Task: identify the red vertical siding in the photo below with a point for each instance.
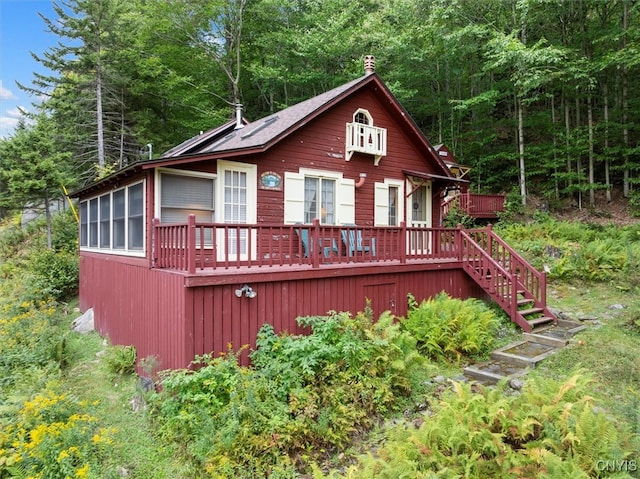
(134, 305)
(237, 320)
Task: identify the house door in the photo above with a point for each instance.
(420, 208)
(238, 200)
(382, 297)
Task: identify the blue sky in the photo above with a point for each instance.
(21, 31)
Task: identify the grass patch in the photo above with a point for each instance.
(136, 451)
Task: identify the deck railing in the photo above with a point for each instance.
(525, 276)
(194, 246)
(476, 205)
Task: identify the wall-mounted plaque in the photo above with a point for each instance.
(270, 180)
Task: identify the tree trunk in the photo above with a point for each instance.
(47, 215)
(578, 158)
(607, 178)
(625, 102)
(99, 118)
(555, 148)
(567, 133)
(592, 192)
(523, 184)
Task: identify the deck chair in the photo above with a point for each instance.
(307, 246)
(354, 243)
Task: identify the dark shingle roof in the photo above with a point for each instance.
(261, 133)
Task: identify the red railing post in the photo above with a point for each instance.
(155, 242)
(403, 242)
(315, 250)
(191, 244)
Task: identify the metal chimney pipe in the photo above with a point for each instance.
(239, 123)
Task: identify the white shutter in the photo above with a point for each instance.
(346, 201)
(381, 204)
(293, 197)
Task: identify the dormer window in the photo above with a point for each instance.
(363, 137)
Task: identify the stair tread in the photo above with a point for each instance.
(542, 320)
(524, 312)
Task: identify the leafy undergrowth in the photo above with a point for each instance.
(551, 429)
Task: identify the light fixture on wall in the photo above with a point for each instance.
(247, 291)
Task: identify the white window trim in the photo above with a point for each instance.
(365, 113)
(170, 171)
(138, 253)
(252, 189)
(381, 201)
(345, 196)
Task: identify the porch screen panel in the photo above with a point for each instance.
(118, 219)
(93, 223)
(84, 223)
(105, 221)
(235, 209)
(136, 217)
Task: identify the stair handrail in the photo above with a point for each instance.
(512, 301)
(539, 293)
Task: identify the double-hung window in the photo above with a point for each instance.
(320, 200)
(114, 221)
(313, 194)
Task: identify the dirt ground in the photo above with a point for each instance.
(616, 211)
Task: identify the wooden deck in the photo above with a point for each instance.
(475, 205)
(215, 247)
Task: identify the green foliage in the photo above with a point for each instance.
(448, 328)
(53, 436)
(305, 395)
(55, 274)
(120, 359)
(573, 250)
(30, 337)
(552, 429)
(456, 216)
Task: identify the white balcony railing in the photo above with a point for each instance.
(366, 139)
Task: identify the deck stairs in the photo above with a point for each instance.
(516, 286)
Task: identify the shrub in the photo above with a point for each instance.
(305, 395)
(52, 436)
(552, 429)
(120, 359)
(55, 274)
(448, 328)
(30, 337)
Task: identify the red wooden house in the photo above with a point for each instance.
(318, 207)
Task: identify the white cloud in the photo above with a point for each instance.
(6, 94)
(9, 120)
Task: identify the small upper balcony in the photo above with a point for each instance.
(367, 139)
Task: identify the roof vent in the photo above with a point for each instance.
(369, 64)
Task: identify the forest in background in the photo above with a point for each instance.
(539, 97)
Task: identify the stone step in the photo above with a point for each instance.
(493, 371)
(523, 353)
(557, 335)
